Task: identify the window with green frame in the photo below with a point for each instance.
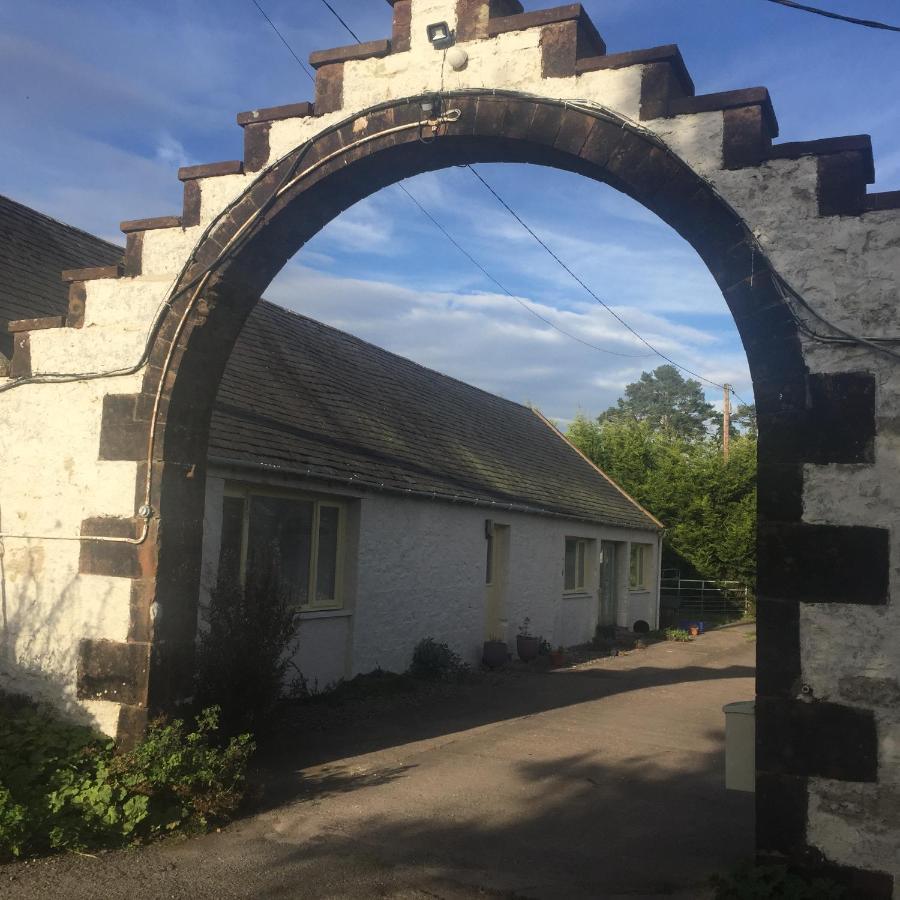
(576, 564)
(640, 561)
(297, 539)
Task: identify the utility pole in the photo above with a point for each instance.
(726, 424)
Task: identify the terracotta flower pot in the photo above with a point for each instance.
(527, 647)
(495, 654)
(557, 658)
(694, 630)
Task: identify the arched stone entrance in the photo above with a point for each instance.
(788, 231)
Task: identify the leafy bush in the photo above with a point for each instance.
(432, 661)
(751, 882)
(678, 634)
(62, 786)
(244, 653)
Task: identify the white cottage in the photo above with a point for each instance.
(399, 503)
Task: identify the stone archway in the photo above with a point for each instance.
(788, 232)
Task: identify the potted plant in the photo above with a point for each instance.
(495, 654)
(528, 645)
(557, 657)
(694, 629)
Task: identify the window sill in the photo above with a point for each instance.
(639, 590)
(577, 595)
(336, 613)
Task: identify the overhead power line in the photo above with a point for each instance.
(300, 62)
(349, 30)
(584, 285)
(867, 23)
(512, 212)
(506, 290)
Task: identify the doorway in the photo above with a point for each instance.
(609, 604)
(496, 580)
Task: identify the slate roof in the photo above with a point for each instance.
(34, 250)
(305, 398)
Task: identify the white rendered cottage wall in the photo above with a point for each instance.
(416, 569)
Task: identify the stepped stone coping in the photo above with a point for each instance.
(150, 224)
(368, 50)
(92, 274)
(666, 53)
(276, 113)
(210, 170)
(18, 326)
(542, 17)
(756, 96)
(859, 143)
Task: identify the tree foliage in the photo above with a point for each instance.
(678, 473)
(666, 401)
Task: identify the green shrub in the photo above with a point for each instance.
(62, 786)
(678, 634)
(751, 882)
(244, 653)
(432, 661)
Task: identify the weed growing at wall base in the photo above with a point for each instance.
(64, 787)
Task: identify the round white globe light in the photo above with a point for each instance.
(457, 57)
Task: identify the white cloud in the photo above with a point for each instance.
(488, 340)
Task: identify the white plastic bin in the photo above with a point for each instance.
(740, 745)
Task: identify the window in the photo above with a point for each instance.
(640, 558)
(296, 539)
(576, 564)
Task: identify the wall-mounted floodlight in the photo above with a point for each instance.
(440, 35)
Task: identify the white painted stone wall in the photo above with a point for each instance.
(419, 571)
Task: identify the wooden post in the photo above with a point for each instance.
(726, 424)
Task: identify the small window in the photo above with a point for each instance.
(640, 558)
(297, 540)
(576, 564)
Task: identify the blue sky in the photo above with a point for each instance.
(102, 101)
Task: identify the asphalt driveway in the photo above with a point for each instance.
(602, 781)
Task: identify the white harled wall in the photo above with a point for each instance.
(419, 571)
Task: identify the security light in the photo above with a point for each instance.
(440, 35)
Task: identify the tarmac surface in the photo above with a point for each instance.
(601, 781)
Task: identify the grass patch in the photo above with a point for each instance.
(678, 634)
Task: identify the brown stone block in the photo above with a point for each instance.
(256, 146)
(20, 364)
(746, 139)
(401, 34)
(781, 812)
(190, 213)
(777, 647)
(77, 304)
(117, 560)
(329, 88)
(816, 739)
(134, 251)
(132, 727)
(558, 49)
(842, 184)
(109, 670)
(824, 563)
(121, 436)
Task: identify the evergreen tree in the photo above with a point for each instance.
(667, 401)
